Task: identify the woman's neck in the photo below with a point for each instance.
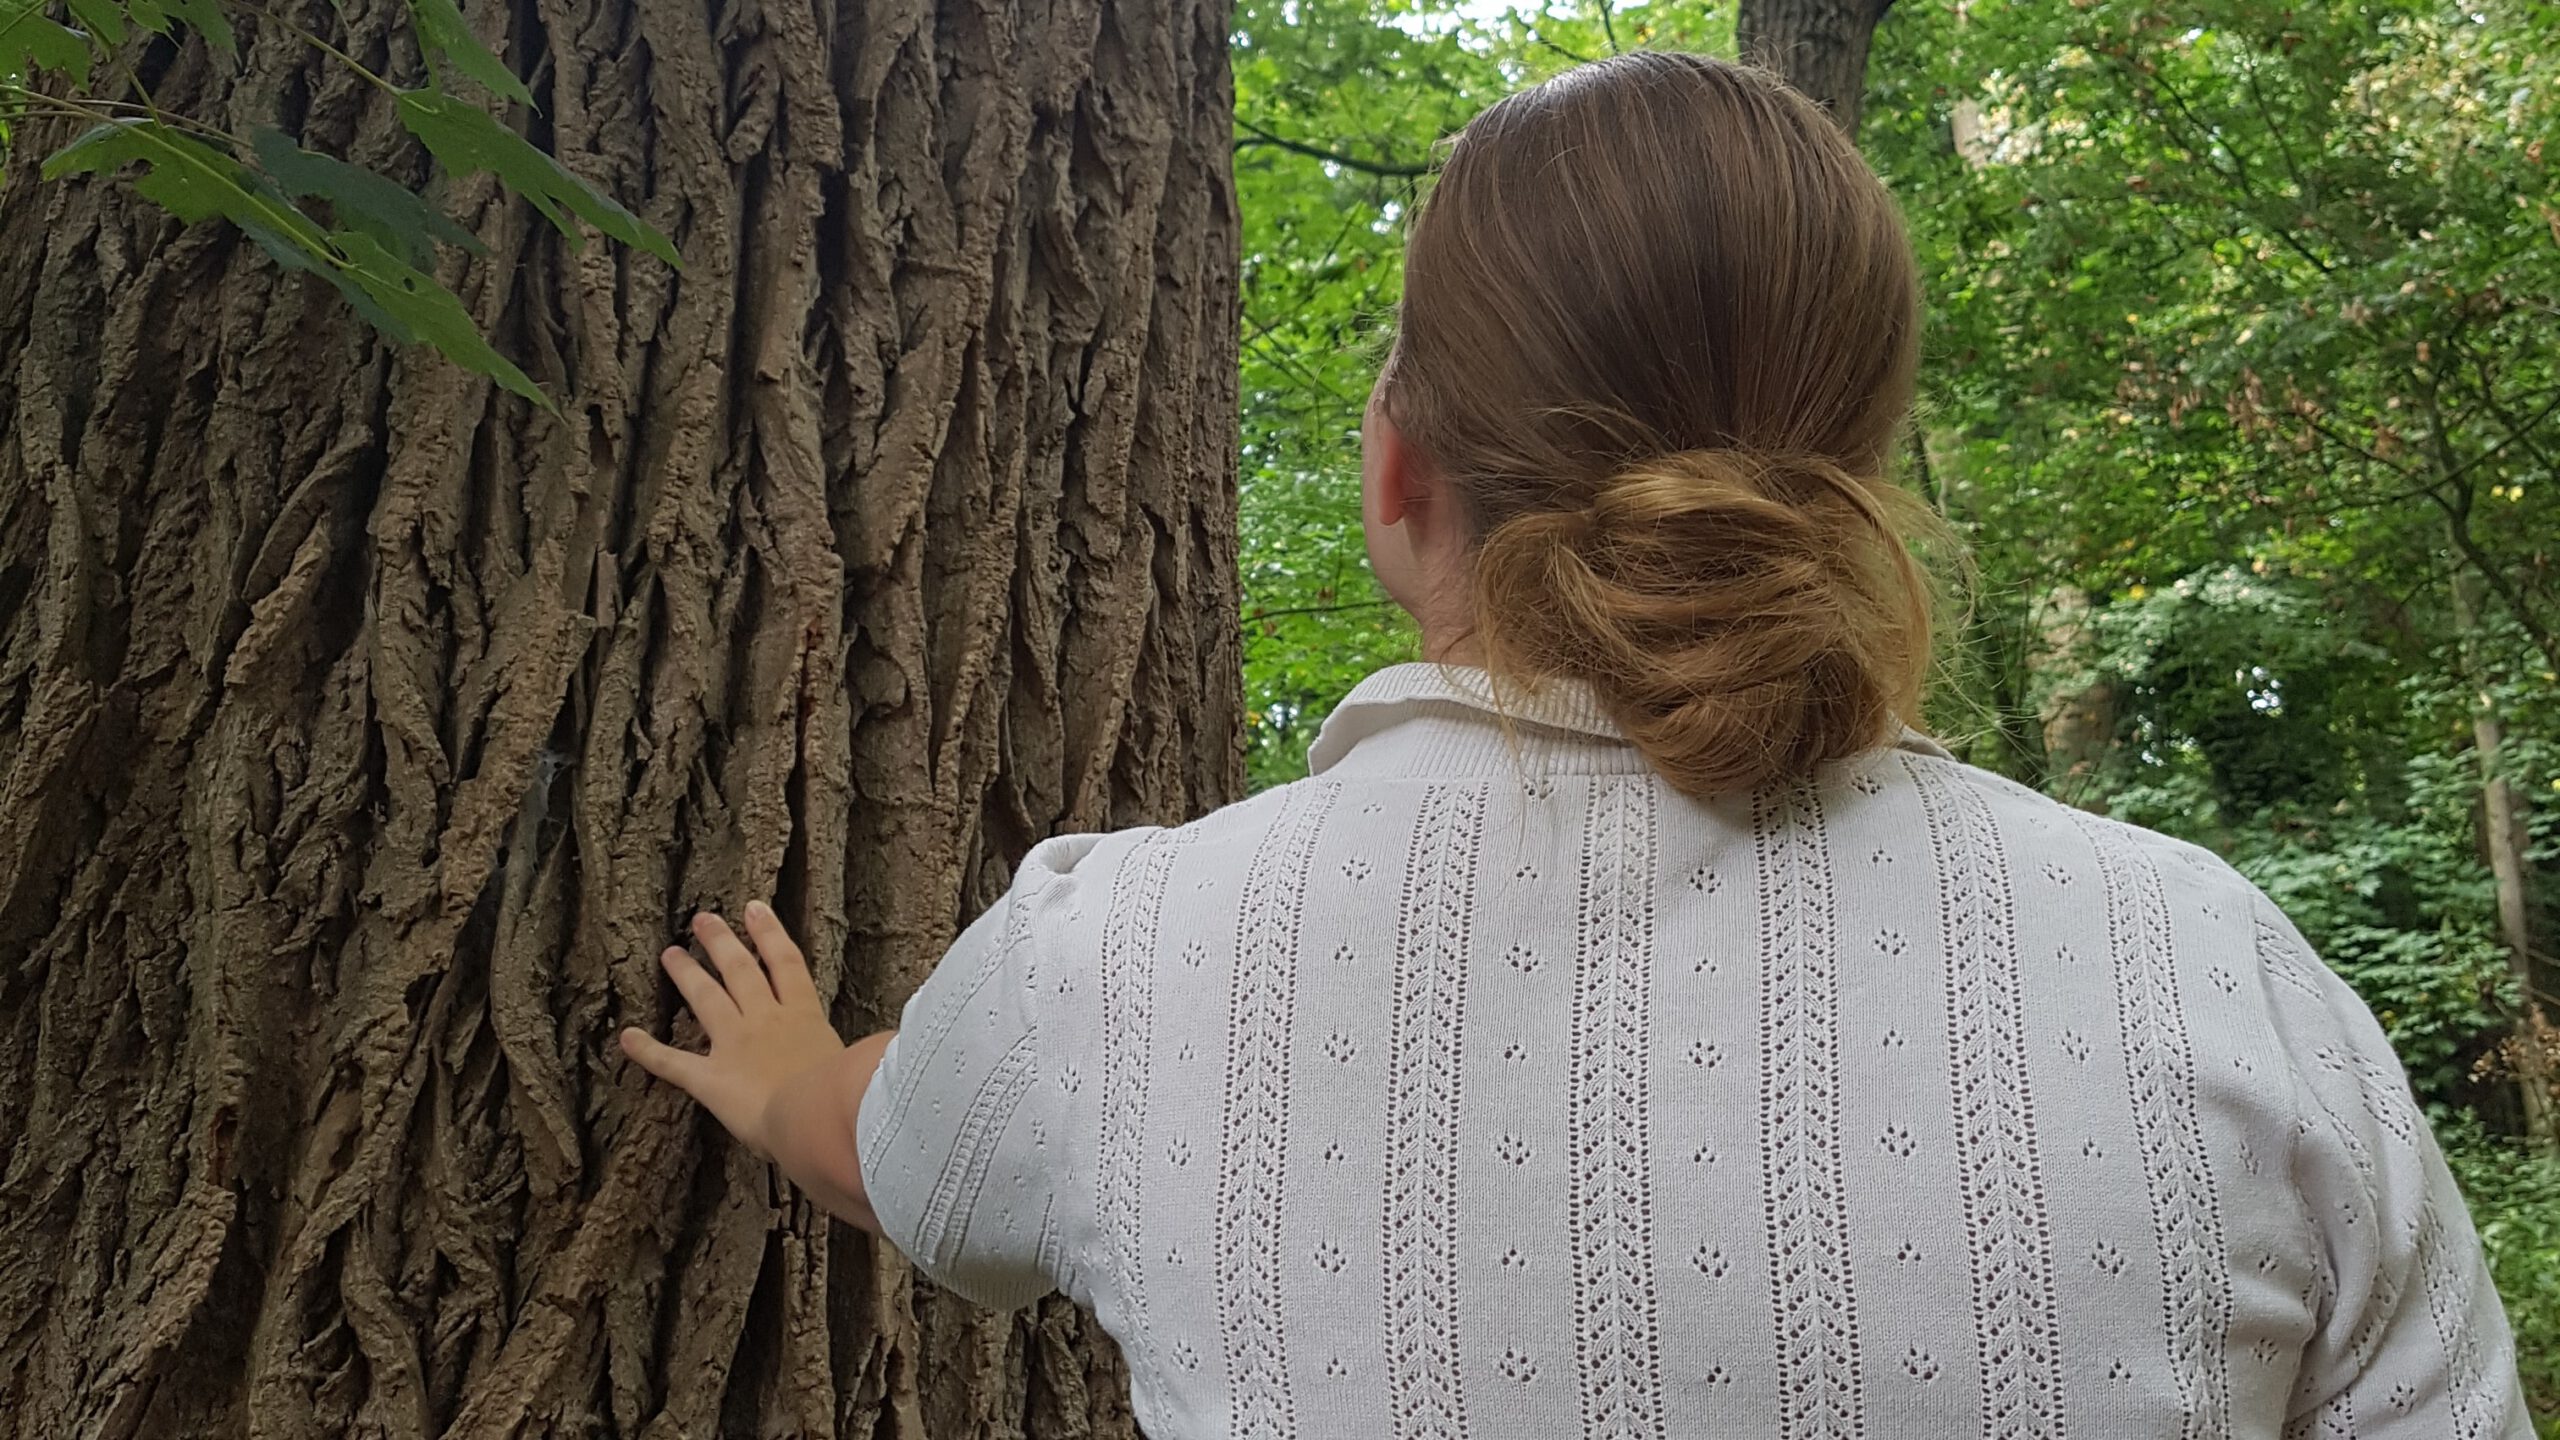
(1445, 648)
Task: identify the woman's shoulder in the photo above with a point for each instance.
(2017, 808)
(1087, 858)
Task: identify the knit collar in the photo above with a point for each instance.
(1561, 708)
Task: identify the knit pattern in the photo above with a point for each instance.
(1617, 1318)
(2195, 1266)
(1812, 1290)
(2009, 1246)
(1128, 964)
(1253, 1141)
(1433, 934)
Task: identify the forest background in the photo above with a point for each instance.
(2241, 387)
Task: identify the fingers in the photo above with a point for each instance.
(711, 1003)
(739, 971)
(782, 957)
(680, 1068)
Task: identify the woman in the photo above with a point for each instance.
(1632, 1028)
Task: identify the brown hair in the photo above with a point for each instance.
(1659, 331)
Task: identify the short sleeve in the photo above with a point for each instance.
(959, 1129)
(2412, 1341)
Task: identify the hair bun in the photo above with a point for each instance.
(1743, 615)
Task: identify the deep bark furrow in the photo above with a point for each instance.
(364, 733)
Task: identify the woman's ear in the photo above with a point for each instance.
(1386, 468)
(1416, 541)
(1397, 481)
(1387, 474)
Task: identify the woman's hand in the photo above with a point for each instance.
(765, 1021)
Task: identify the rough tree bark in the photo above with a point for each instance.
(1820, 46)
(364, 734)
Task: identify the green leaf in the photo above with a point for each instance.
(105, 19)
(29, 42)
(403, 222)
(195, 182)
(186, 176)
(206, 16)
(374, 315)
(469, 140)
(427, 312)
(442, 28)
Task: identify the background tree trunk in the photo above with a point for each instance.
(2076, 710)
(1820, 46)
(2502, 841)
(364, 734)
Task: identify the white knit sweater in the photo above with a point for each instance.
(1483, 1086)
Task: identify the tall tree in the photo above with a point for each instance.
(365, 731)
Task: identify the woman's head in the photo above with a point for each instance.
(1659, 330)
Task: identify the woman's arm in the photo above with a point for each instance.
(809, 1123)
(777, 1075)
(2410, 1340)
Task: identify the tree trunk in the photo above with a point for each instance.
(1820, 46)
(364, 734)
(2502, 840)
(2078, 714)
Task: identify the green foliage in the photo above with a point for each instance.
(195, 182)
(2270, 286)
(469, 140)
(442, 31)
(2247, 673)
(31, 42)
(182, 177)
(370, 237)
(396, 218)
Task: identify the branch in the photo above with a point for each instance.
(328, 49)
(1391, 169)
(1609, 28)
(2343, 443)
(33, 102)
(2518, 432)
(2457, 515)
(1249, 621)
(2266, 112)
(1930, 479)
(2458, 525)
(2239, 172)
(1352, 216)
(1280, 360)
(1550, 44)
